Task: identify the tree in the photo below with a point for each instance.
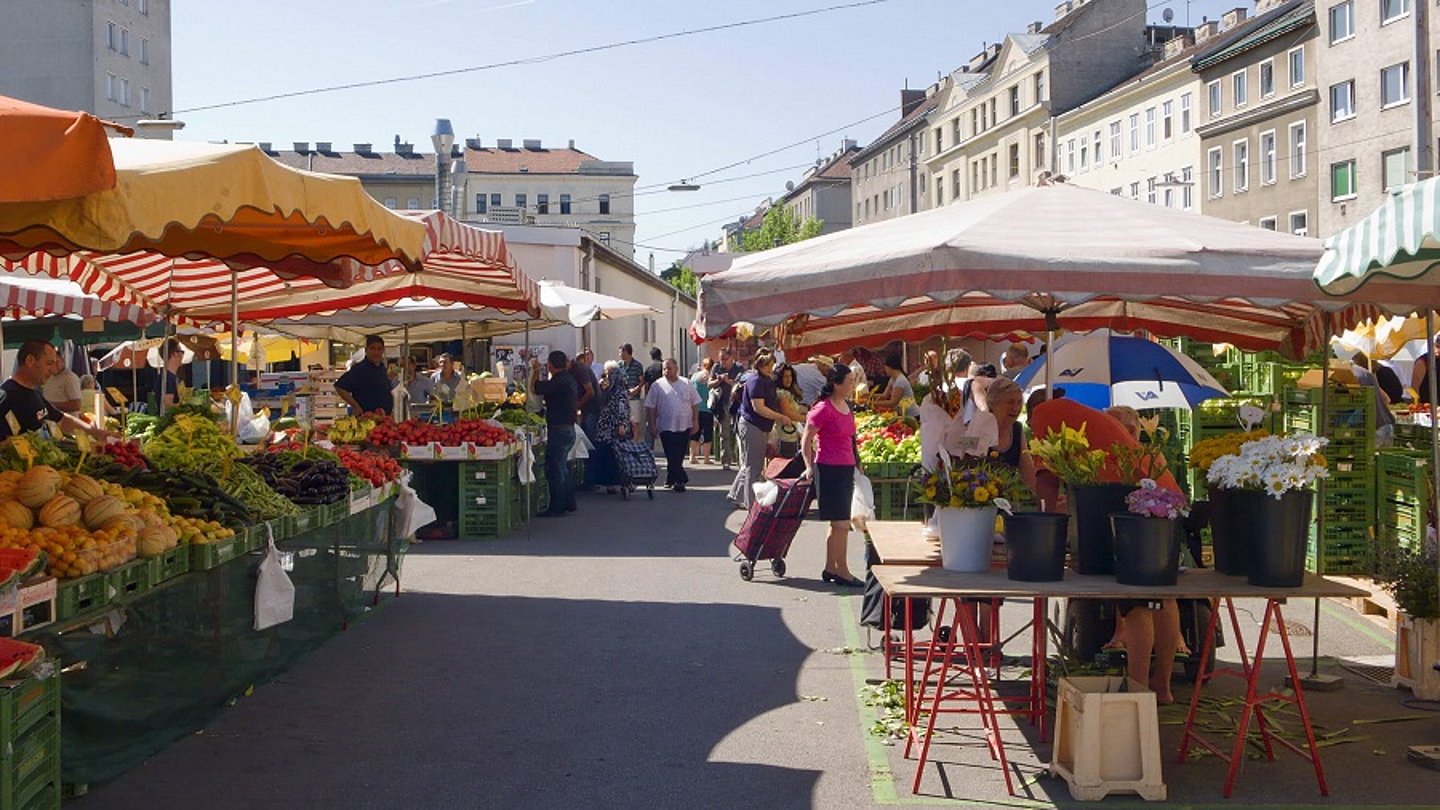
(781, 227)
(682, 278)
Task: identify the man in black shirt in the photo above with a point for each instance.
(589, 406)
(366, 386)
(561, 393)
(653, 372)
(23, 409)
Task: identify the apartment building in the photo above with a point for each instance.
(994, 133)
(824, 192)
(1364, 144)
(1258, 118)
(107, 57)
(1139, 139)
(888, 178)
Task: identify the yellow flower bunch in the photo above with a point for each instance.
(1067, 453)
(1204, 453)
(970, 486)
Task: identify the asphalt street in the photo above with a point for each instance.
(614, 658)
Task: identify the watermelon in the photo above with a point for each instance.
(17, 655)
(27, 561)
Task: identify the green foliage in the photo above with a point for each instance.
(781, 227)
(1412, 578)
(683, 279)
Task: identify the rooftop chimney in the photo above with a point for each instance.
(1062, 9)
(473, 143)
(1206, 30)
(364, 149)
(532, 143)
(572, 143)
(1232, 18)
(302, 146)
(1176, 45)
(457, 150)
(978, 59)
(265, 147)
(504, 143)
(1262, 6)
(1034, 27)
(323, 147)
(909, 100)
(405, 149)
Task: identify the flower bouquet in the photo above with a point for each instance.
(1264, 500)
(1067, 453)
(966, 498)
(1272, 465)
(1148, 535)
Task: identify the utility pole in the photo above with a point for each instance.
(1424, 101)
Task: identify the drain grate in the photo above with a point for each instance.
(1292, 629)
(1374, 673)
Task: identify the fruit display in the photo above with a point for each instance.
(45, 451)
(140, 426)
(301, 480)
(194, 495)
(353, 430)
(887, 440)
(73, 542)
(17, 656)
(126, 454)
(518, 417)
(188, 442)
(374, 468)
(478, 431)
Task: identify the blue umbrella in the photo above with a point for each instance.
(1103, 369)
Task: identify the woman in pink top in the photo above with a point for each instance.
(828, 446)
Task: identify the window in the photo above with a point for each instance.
(542, 203)
(955, 190)
(521, 201)
(1342, 180)
(1015, 100)
(1134, 191)
(144, 51)
(1297, 149)
(1217, 172)
(413, 204)
(1269, 223)
(857, 212)
(1213, 90)
(939, 139)
(956, 135)
(1167, 120)
(1240, 89)
(143, 6)
(145, 99)
(1187, 189)
(1186, 101)
(480, 204)
(1114, 140)
(1342, 21)
(1150, 191)
(939, 192)
(1267, 78)
(1342, 101)
(1095, 145)
(1149, 127)
(1070, 156)
(1300, 223)
(1014, 160)
(495, 201)
(1040, 87)
(1297, 67)
(1040, 149)
(1242, 164)
(1268, 157)
(1134, 133)
(994, 169)
(390, 202)
(112, 36)
(604, 203)
(1391, 10)
(125, 41)
(1169, 196)
(1395, 85)
(605, 239)
(1117, 191)
(1084, 154)
(109, 86)
(1396, 168)
(124, 92)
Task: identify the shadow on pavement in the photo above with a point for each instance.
(479, 701)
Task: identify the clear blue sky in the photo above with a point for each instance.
(674, 108)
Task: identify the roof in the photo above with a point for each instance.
(899, 127)
(492, 160)
(1257, 31)
(836, 168)
(1160, 66)
(489, 160)
(1030, 43)
(613, 258)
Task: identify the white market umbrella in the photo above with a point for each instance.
(1104, 369)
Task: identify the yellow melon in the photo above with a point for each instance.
(37, 486)
(102, 510)
(83, 489)
(16, 515)
(60, 511)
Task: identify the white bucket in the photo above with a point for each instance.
(966, 537)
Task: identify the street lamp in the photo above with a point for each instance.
(443, 138)
(458, 170)
(684, 185)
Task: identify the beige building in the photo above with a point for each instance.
(824, 192)
(1258, 124)
(993, 134)
(107, 57)
(1366, 115)
(1138, 139)
(888, 178)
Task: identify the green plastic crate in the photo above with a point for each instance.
(30, 766)
(129, 580)
(169, 565)
(1351, 397)
(26, 703)
(75, 597)
(205, 556)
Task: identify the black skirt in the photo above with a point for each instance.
(835, 487)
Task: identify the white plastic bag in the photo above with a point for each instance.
(274, 592)
(582, 446)
(255, 430)
(412, 513)
(862, 502)
(766, 493)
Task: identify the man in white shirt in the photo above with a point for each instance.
(811, 377)
(672, 411)
(63, 388)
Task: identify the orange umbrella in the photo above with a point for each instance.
(52, 154)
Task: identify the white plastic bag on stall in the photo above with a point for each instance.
(862, 502)
(411, 513)
(274, 592)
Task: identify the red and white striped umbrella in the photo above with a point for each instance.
(22, 295)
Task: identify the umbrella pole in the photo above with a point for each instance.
(1312, 680)
(1434, 437)
(234, 394)
(405, 363)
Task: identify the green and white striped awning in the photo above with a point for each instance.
(1399, 240)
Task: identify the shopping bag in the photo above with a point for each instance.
(274, 592)
(862, 502)
(582, 446)
(526, 470)
(766, 492)
(411, 513)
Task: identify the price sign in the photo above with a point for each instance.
(82, 441)
(23, 449)
(116, 395)
(233, 394)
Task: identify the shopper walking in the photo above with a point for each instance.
(589, 407)
(634, 383)
(672, 410)
(560, 393)
(724, 379)
(759, 412)
(700, 443)
(612, 426)
(828, 447)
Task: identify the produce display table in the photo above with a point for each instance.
(955, 588)
(146, 672)
(483, 499)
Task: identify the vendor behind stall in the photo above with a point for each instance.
(63, 388)
(366, 386)
(22, 408)
(169, 374)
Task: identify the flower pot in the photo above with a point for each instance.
(1147, 549)
(966, 537)
(1035, 546)
(1274, 532)
(1226, 534)
(1091, 505)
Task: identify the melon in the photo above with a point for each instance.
(18, 655)
(60, 511)
(28, 561)
(37, 486)
(102, 510)
(16, 515)
(156, 541)
(83, 489)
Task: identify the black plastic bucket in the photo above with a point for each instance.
(1035, 546)
(1276, 532)
(1147, 549)
(1090, 508)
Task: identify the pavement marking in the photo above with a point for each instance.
(1349, 617)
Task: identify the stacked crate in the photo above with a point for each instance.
(1348, 508)
(488, 508)
(1402, 497)
(30, 742)
(1212, 419)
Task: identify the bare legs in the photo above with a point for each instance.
(1153, 632)
(835, 548)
